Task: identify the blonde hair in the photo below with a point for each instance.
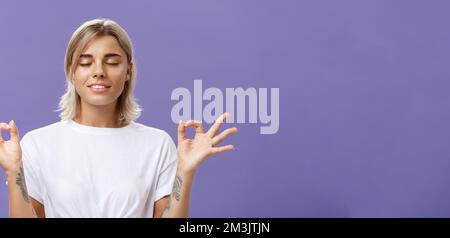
(69, 104)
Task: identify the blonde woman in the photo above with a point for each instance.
(97, 161)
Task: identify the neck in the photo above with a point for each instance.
(99, 116)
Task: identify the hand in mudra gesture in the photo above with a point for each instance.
(10, 151)
(192, 152)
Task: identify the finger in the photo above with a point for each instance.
(221, 149)
(222, 136)
(3, 126)
(197, 124)
(14, 131)
(216, 126)
(181, 131)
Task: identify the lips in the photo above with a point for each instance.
(99, 87)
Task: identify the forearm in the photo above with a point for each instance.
(19, 201)
(178, 206)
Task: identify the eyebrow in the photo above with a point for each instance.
(109, 55)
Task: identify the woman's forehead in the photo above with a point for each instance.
(103, 45)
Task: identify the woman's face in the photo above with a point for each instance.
(101, 71)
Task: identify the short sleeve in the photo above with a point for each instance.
(31, 168)
(167, 173)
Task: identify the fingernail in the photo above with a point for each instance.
(225, 115)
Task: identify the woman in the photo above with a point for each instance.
(97, 161)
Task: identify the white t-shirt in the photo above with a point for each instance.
(81, 171)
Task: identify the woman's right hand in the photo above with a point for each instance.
(10, 151)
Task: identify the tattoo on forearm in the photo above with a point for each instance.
(167, 208)
(20, 181)
(177, 187)
(175, 192)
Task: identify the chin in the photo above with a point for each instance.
(100, 101)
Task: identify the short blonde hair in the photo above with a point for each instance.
(69, 104)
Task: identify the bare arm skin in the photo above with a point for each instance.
(191, 153)
(20, 204)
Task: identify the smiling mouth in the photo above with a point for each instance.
(99, 86)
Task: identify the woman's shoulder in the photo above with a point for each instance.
(44, 130)
(151, 131)
(41, 134)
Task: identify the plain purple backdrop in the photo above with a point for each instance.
(364, 101)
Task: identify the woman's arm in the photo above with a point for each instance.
(19, 202)
(177, 204)
(191, 153)
(11, 161)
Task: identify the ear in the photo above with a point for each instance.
(69, 69)
(129, 69)
(71, 73)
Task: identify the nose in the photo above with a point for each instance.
(98, 72)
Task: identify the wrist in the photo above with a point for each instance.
(11, 177)
(185, 172)
(11, 174)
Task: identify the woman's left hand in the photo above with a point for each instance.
(192, 152)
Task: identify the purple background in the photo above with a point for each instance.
(364, 101)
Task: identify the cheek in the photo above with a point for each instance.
(80, 76)
(118, 76)
(117, 71)
(79, 81)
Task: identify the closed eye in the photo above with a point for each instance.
(87, 64)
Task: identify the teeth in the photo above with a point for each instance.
(98, 86)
